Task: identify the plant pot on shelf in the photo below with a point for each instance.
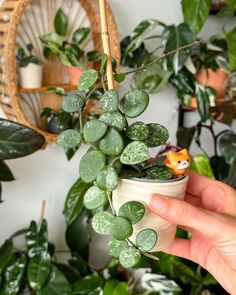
(141, 191)
(31, 76)
(74, 74)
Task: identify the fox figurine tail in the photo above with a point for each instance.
(178, 162)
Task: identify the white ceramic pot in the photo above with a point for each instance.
(141, 191)
(31, 76)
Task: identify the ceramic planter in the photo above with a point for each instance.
(141, 191)
(31, 76)
(74, 74)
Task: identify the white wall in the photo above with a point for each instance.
(47, 174)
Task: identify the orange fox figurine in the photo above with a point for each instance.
(178, 162)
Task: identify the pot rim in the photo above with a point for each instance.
(145, 180)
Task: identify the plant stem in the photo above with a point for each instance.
(114, 160)
(109, 195)
(81, 122)
(141, 251)
(154, 37)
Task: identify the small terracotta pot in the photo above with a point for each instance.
(141, 191)
(31, 76)
(74, 74)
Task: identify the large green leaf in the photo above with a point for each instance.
(114, 287)
(56, 285)
(137, 131)
(203, 102)
(53, 41)
(108, 178)
(227, 145)
(102, 222)
(94, 198)
(80, 35)
(88, 284)
(74, 200)
(5, 172)
(61, 23)
(112, 143)
(174, 37)
(133, 210)
(134, 153)
(158, 135)
(6, 255)
(17, 140)
(231, 46)
(88, 79)
(201, 165)
(195, 13)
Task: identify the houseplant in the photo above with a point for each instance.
(30, 68)
(69, 52)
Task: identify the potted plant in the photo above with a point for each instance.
(69, 52)
(30, 68)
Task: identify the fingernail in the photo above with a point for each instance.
(158, 203)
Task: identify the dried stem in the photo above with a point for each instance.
(42, 213)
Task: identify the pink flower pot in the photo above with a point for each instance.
(74, 74)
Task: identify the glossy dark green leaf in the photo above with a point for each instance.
(90, 165)
(71, 273)
(102, 222)
(61, 23)
(146, 239)
(94, 198)
(121, 228)
(203, 103)
(94, 130)
(88, 79)
(231, 46)
(134, 153)
(174, 37)
(17, 140)
(88, 284)
(13, 276)
(185, 136)
(227, 145)
(56, 285)
(80, 35)
(108, 178)
(115, 247)
(161, 172)
(70, 138)
(74, 200)
(5, 172)
(133, 210)
(114, 119)
(158, 135)
(119, 77)
(112, 143)
(137, 131)
(114, 287)
(6, 255)
(134, 103)
(110, 100)
(129, 257)
(79, 263)
(38, 272)
(196, 13)
(74, 101)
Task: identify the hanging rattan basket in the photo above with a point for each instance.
(22, 22)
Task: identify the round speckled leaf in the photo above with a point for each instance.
(133, 210)
(159, 172)
(70, 138)
(94, 130)
(135, 152)
(110, 101)
(129, 257)
(115, 119)
(137, 131)
(112, 143)
(121, 228)
(146, 239)
(108, 178)
(117, 164)
(94, 198)
(158, 135)
(74, 101)
(134, 103)
(88, 79)
(102, 222)
(90, 165)
(115, 247)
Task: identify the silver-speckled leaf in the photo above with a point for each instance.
(115, 119)
(102, 222)
(70, 138)
(129, 257)
(137, 131)
(115, 247)
(94, 130)
(74, 101)
(88, 79)
(110, 101)
(146, 239)
(108, 179)
(135, 152)
(121, 228)
(158, 135)
(94, 198)
(132, 210)
(112, 143)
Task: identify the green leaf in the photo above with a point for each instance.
(38, 272)
(58, 90)
(133, 210)
(159, 173)
(79, 264)
(146, 239)
(61, 23)
(94, 198)
(103, 62)
(88, 284)
(70, 138)
(231, 46)
(71, 273)
(174, 37)
(56, 285)
(121, 228)
(227, 145)
(119, 77)
(185, 136)
(94, 130)
(137, 131)
(114, 119)
(201, 165)
(53, 41)
(115, 247)
(114, 287)
(13, 276)
(17, 140)
(108, 178)
(158, 135)
(74, 200)
(110, 100)
(134, 103)
(74, 101)
(6, 255)
(134, 153)
(129, 257)
(112, 143)
(88, 79)
(196, 13)
(5, 172)
(231, 4)
(90, 165)
(102, 222)
(81, 35)
(203, 103)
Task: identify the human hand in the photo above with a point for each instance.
(209, 213)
